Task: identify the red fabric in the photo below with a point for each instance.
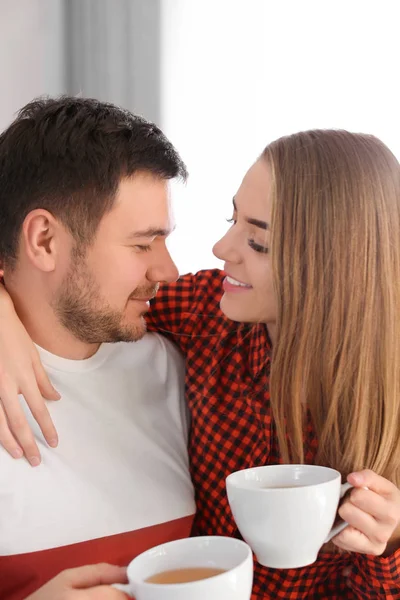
(227, 389)
(22, 574)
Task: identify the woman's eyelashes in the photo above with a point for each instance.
(258, 247)
(252, 243)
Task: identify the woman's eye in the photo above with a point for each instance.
(142, 248)
(258, 247)
(232, 221)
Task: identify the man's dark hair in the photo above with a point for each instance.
(68, 156)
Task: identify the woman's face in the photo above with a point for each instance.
(248, 288)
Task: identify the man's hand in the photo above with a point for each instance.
(84, 583)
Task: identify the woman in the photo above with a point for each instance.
(300, 358)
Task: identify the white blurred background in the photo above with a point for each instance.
(222, 77)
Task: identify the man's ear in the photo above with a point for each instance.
(40, 236)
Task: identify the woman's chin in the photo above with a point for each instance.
(234, 311)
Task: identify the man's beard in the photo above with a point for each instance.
(81, 309)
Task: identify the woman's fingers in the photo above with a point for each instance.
(7, 440)
(17, 424)
(43, 382)
(39, 410)
(21, 372)
(373, 514)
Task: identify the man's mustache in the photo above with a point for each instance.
(144, 293)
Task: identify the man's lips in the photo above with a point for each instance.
(146, 299)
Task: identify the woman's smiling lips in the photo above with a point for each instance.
(231, 284)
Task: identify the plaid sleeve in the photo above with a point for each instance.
(172, 310)
(375, 576)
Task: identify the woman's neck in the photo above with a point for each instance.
(272, 332)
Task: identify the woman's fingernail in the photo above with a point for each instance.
(356, 478)
(53, 442)
(35, 461)
(17, 453)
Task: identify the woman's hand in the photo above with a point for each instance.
(84, 583)
(373, 515)
(21, 372)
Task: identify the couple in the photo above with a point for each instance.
(312, 262)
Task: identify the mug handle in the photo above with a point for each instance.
(336, 529)
(123, 587)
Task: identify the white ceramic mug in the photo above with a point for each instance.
(286, 512)
(232, 555)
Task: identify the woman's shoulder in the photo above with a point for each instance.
(193, 289)
(190, 307)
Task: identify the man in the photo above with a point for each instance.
(84, 217)
(91, 582)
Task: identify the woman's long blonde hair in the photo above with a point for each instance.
(335, 252)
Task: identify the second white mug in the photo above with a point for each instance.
(286, 512)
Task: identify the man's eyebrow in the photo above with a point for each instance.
(151, 232)
(261, 224)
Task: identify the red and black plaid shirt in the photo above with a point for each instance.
(232, 428)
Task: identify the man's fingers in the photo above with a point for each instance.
(18, 425)
(101, 593)
(92, 575)
(84, 583)
(7, 440)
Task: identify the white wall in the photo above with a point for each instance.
(31, 53)
(233, 75)
(237, 74)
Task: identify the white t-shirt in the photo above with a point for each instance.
(119, 476)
